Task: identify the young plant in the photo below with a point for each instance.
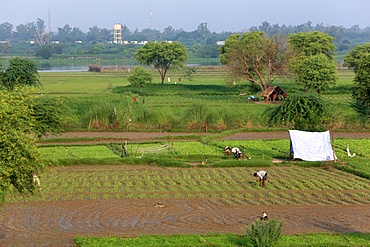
(264, 233)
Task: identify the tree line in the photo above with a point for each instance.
(201, 42)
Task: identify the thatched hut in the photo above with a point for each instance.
(273, 94)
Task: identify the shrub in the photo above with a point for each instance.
(95, 68)
(265, 233)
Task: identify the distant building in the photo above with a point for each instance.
(117, 33)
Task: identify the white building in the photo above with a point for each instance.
(117, 33)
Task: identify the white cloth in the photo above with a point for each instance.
(311, 146)
(261, 174)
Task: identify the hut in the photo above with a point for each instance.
(273, 94)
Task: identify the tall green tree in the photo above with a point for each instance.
(314, 67)
(19, 157)
(315, 72)
(139, 77)
(162, 56)
(313, 43)
(361, 88)
(359, 60)
(255, 57)
(354, 57)
(45, 51)
(20, 71)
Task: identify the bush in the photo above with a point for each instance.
(95, 68)
(265, 233)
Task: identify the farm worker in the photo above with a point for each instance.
(262, 176)
(264, 216)
(237, 153)
(36, 180)
(124, 152)
(227, 150)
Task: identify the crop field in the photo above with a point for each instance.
(256, 148)
(232, 186)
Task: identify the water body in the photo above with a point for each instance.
(67, 68)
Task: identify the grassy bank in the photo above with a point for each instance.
(229, 240)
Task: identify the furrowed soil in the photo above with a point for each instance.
(57, 223)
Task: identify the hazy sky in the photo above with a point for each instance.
(226, 15)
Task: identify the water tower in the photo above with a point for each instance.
(117, 33)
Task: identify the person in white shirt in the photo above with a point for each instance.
(262, 177)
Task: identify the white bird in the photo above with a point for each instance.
(349, 153)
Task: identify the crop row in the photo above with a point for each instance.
(77, 152)
(285, 185)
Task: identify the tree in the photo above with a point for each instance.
(361, 88)
(20, 71)
(359, 60)
(19, 158)
(354, 57)
(255, 57)
(314, 68)
(45, 51)
(162, 56)
(139, 77)
(298, 111)
(40, 35)
(6, 31)
(314, 72)
(313, 43)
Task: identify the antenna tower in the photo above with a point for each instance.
(150, 16)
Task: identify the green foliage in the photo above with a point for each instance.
(226, 240)
(139, 77)
(315, 72)
(47, 114)
(314, 67)
(163, 56)
(361, 89)
(189, 73)
(298, 111)
(45, 51)
(111, 115)
(199, 116)
(354, 57)
(19, 157)
(265, 233)
(20, 71)
(255, 57)
(313, 43)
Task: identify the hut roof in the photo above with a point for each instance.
(268, 91)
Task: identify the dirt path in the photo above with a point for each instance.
(57, 223)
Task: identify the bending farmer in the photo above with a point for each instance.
(262, 177)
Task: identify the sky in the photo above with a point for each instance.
(225, 15)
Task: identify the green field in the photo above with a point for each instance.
(234, 186)
(175, 168)
(89, 99)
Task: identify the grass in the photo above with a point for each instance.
(163, 106)
(228, 240)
